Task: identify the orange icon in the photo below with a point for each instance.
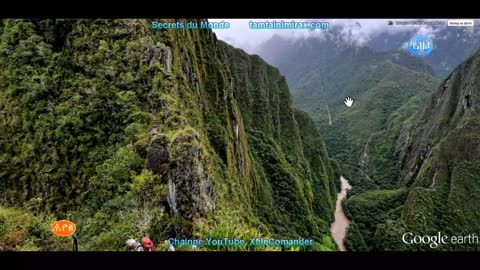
(63, 228)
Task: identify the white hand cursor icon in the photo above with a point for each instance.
(348, 101)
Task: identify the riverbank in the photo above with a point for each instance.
(341, 222)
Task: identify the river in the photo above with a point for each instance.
(341, 222)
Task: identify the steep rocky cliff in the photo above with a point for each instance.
(440, 164)
(287, 149)
(129, 130)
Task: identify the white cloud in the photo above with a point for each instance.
(354, 31)
(240, 35)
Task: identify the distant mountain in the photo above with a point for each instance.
(294, 57)
(388, 89)
(410, 152)
(322, 73)
(452, 45)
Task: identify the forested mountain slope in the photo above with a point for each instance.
(127, 130)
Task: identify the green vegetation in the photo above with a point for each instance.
(126, 131)
(368, 210)
(369, 139)
(293, 176)
(441, 164)
(20, 230)
(439, 158)
(354, 240)
(359, 181)
(365, 134)
(388, 88)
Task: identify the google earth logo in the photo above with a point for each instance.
(420, 45)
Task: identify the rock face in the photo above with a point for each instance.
(191, 191)
(157, 155)
(451, 106)
(293, 175)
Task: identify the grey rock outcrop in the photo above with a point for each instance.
(157, 155)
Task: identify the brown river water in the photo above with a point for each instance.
(340, 224)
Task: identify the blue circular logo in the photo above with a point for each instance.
(420, 45)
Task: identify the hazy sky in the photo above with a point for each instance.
(358, 31)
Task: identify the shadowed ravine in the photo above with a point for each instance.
(341, 222)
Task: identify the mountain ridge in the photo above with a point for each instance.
(128, 130)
